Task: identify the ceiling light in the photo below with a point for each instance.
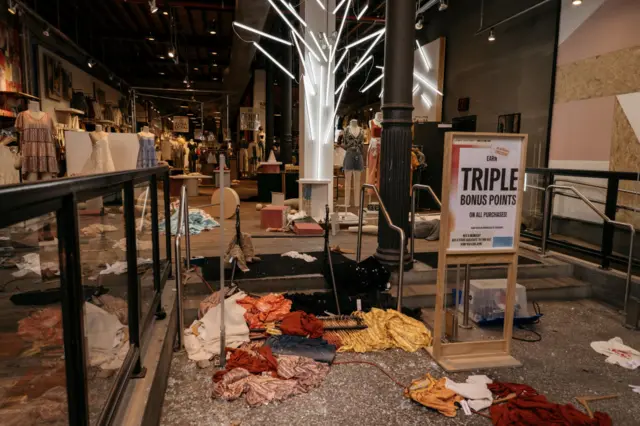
(321, 4)
(361, 14)
(576, 2)
(492, 36)
(184, 105)
(196, 69)
(152, 6)
(150, 38)
(370, 109)
(13, 8)
(91, 63)
(161, 57)
(292, 28)
(212, 32)
(214, 53)
(253, 30)
(46, 32)
(185, 81)
(370, 85)
(286, 71)
(172, 52)
(161, 73)
(419, 22)
(339, 6)
(215, 78)
(362, 40)
(165, 13)
(214, 64)
(443, 6)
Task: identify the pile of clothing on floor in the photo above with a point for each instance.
(199, 221)
(508, 403)
(273, 352)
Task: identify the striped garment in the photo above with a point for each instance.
(37, 143)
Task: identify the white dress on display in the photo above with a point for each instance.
(100, 160)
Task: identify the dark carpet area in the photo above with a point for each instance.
(431, 259)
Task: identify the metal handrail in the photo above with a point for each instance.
(547, 223)
(413, 210)
(183, 226)
(564, 194)
(592, 185)
(399, 230)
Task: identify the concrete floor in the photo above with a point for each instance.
(561, 366)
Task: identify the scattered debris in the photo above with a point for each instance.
(96, 229)
(618, 353)
(295, 255)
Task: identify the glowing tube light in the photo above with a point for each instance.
(361, 14)
(309, 116)
(302, 61)
(320, 104)
(315, 40)
(363, 39)
(335, 112)
(308, 85)
(370, 85)
(339, 6)
(326, 99)
(313, 70)
(416, 88)
(295, 32)
(344, 18)
(380, 67)
(326, 40)
(286, 71)
(426, 83)
(321, 5)
(253, 30)
(426, 100)
(355, 70)
(344, 55)
(423, 55)
(381, 93)
(293, 11)
(368, 51)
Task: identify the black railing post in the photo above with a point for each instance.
(155, 236)
(548, 209)
(167, 216)
(608, 229)
(72, 311)
(133, 283)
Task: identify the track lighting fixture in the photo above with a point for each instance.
(152, 6)
(576, 2)
(419, 22)
(443, 6)
(46, 32)
(91, 63)
(172, 52)
(492, 36)
(13, 7)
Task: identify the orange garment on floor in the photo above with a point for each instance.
(434, 394)
(302, 324)
(254, 362)
(269, 308)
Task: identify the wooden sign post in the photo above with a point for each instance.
(482, 187)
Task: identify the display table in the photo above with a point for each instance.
(227, 178)
(191, 182)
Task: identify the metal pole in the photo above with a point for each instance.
(155, 236)
(228, 129)
(465, 301)
(144, 207)
(167, 215)
(545, 220)
(222, 253)
(627, 290)
(133, 283)
(179, 230)
(413, 222)
(187, 230)
(400, 270)
(360, 216)
(456, 302)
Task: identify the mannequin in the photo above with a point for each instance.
(373, 154)
(353, 161)
(262, 137)
(37, 145)
(193, 155)
(100, 160)
(147, 152)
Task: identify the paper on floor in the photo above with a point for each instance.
(295, 255)
(618, 353)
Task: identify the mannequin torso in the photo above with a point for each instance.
(34, 110)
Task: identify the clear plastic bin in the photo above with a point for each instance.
(488, 300)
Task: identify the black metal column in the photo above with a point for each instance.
(167, 217)
(395, 160)
(286, 147)
(133, 283)
(268, 120)
(72, 311)
(155, 233)
(608, 230)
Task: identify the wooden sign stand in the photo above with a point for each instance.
(464, 356)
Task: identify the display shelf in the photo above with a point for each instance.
(19, 95)
(70, 111)
(4, 113)
(109, 122)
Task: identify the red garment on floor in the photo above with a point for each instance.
(264, 361)
(300, 323)
(269, 308)
(531, 409)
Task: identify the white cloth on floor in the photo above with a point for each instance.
(202, 339)
(106, 338)
(120, 267)
(475, 390)
(618, 353)
(295, 255)
(31, 263)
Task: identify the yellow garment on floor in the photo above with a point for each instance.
(433, 393)
(386, 330)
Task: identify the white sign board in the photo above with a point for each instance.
(181, 124)
(483, 193)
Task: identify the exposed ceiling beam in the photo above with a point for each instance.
(163, 4)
